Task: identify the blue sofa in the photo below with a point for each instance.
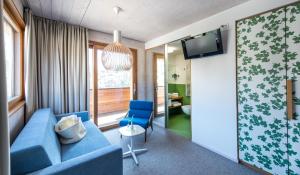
(37, 149)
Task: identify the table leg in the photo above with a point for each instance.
(139, 151)
(133, 152)
(126, 154)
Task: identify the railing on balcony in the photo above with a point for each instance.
(160, 95)
(116, 100)
(111, 100)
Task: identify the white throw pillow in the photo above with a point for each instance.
(70, 129)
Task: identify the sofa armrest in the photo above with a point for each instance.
(107, 160)
(84, 115)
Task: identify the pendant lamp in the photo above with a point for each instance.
(116, 56)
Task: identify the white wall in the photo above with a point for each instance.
(177, 64)
(214, 117)
(140, 46)
(16, 123)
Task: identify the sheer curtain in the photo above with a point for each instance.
(4, 137)
(56, 56)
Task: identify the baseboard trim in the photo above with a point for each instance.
(108, 127)
(259, 170)
(234, 159)
(158, 124)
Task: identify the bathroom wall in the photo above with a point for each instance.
(180, 89)
(178, 65)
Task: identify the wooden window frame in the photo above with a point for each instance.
(13, 16)
(100, 45)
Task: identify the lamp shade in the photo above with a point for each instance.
(116, 56)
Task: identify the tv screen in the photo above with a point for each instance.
(206, 44)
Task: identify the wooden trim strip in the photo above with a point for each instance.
(259, 170)
(18, 23)
(16, 107)
(95, 93)
(289, 99)
(106, 128)
(134, 74)
(11, 8)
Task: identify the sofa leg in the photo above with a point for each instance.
(152, 126)
(121, 136)
(145, 135)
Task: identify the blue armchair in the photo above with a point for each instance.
(142, 112)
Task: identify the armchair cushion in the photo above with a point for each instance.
(142, 111)
(141, 105)
(139, 114)
(137, 121)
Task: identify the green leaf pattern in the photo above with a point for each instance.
(268, 52)
(293, 73)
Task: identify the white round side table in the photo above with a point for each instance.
(131, 131)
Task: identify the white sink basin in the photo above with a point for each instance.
(186, 109)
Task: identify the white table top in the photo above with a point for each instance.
(128, 131)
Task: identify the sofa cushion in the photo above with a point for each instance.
(37, 145)
(137, 121)
(93, 140)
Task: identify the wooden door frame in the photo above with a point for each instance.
(154, 78)
(100, 45)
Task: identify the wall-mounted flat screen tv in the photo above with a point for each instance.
(206, 44)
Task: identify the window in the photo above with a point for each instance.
(12, 60)
(108, 78)
(112, 79)
(13, 45)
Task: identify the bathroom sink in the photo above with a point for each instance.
(186, 109)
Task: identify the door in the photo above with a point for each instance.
(261, 89)
(111, 90)
(293, 74)
(159, 84)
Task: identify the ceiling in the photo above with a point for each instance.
(140, 19)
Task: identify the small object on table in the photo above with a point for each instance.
(131, 131)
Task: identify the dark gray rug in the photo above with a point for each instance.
(170, 154)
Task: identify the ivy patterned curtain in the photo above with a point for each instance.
(4, 133)
(55, 65)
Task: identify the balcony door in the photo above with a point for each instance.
(110, 90)
(159, 84)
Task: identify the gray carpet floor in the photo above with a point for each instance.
(171, 154)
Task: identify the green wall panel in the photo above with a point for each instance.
(180, 88)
